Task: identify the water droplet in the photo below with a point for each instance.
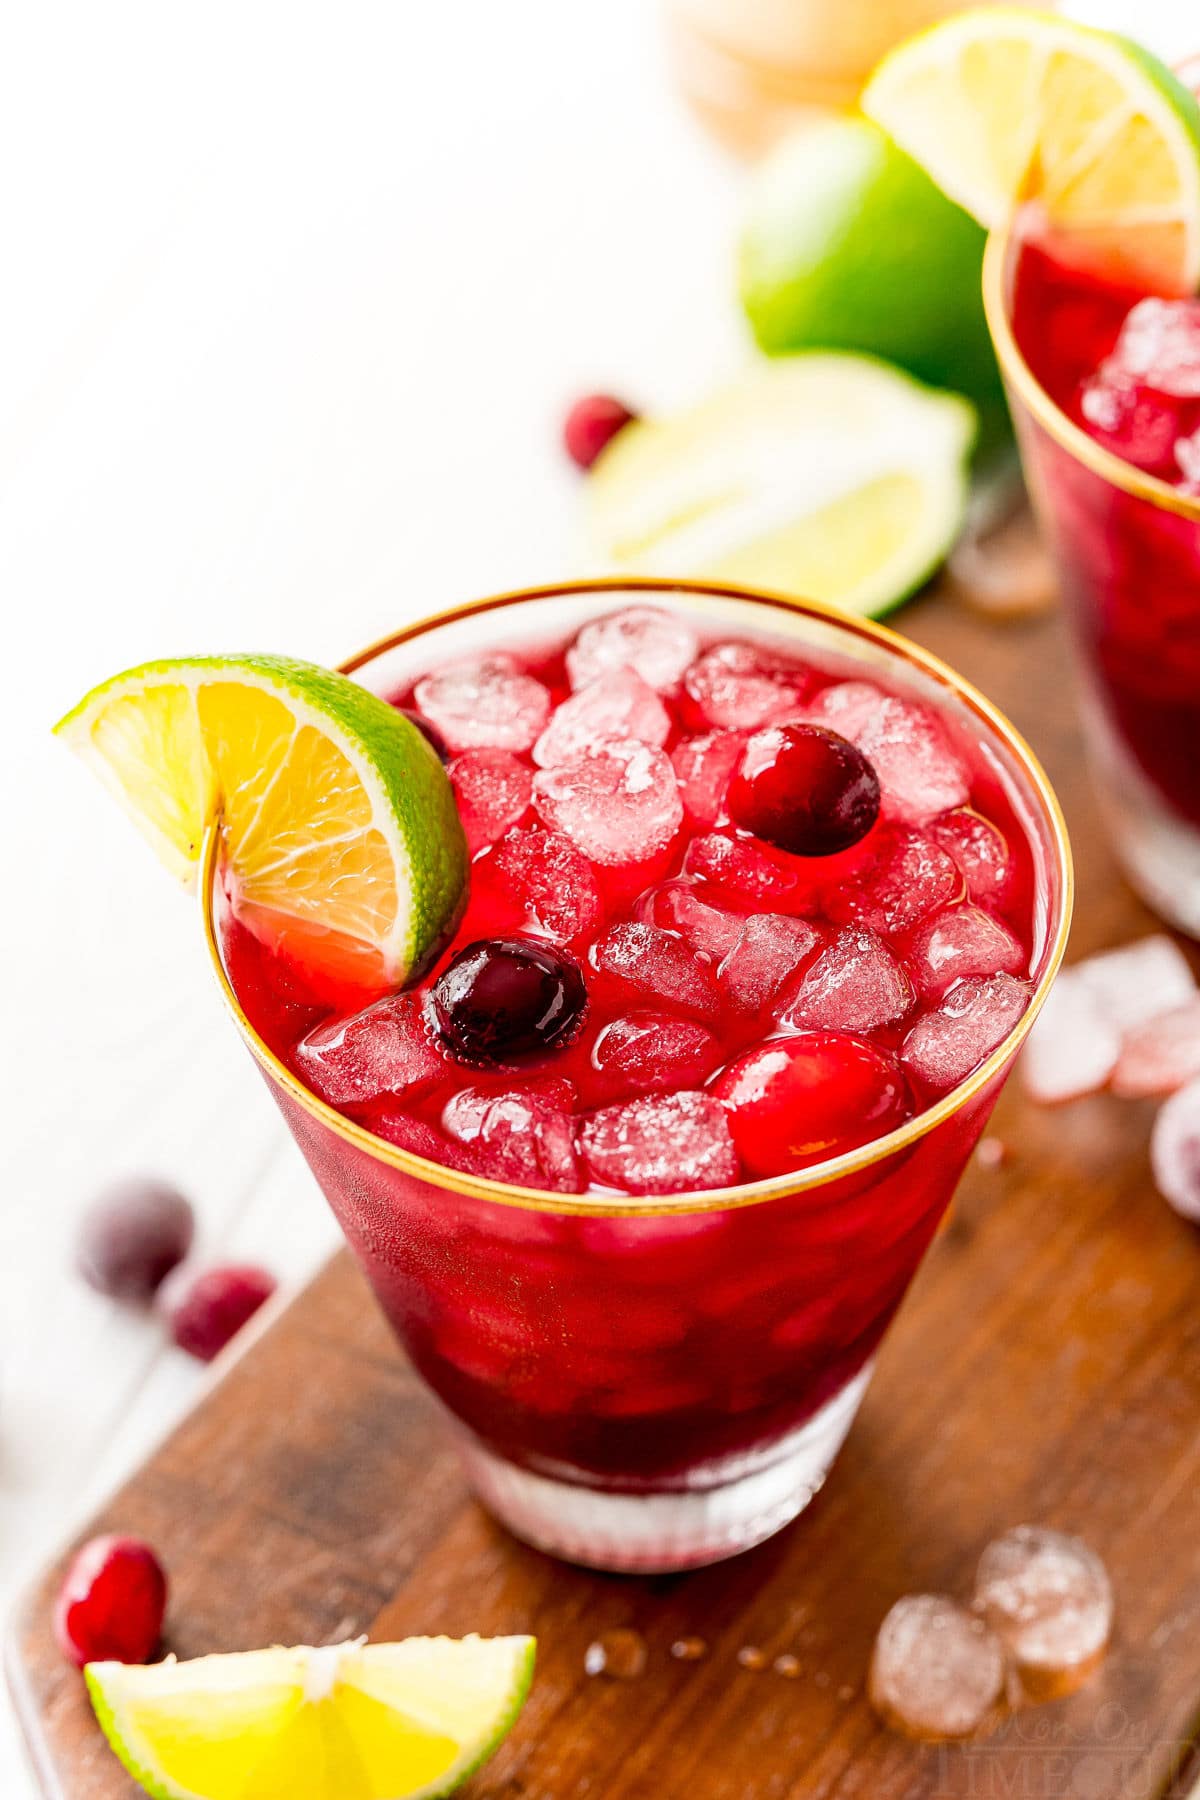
(689, 1649)
(620, 1654)
(788, 1665)
(751, 1657)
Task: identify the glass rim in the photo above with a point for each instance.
(747, 1193)
(1021, 380)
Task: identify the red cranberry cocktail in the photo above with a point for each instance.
(762, 902)
(1104, 383)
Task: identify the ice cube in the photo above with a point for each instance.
(1140, 427)
(981, 851)
(660, 1144)
(618, 803)
(484, 704)
(647, 1052)
(900, 877)
(677, 907)
(936, 1670)
(617, 705)
(740, 866)
(658, 645)
(704, 768)
(640, 963)
(739, 687)
(1159, 347)
(1047, 1597)
(1175, 1151)
(1161, 1055)
(977, 1014)
(919, 771)
(855, 984)
(385, 1049)
(847, 707)
(551, 881)
(1072, 1049)
(493, 790)
(769, 948)
(519, 1136)
(962, 940)
(1134, 983)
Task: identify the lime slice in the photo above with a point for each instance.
(401, 1721)
(341, 841)
(830, 476)
(1008, 108)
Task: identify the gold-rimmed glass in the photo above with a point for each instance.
(1126, 547)
(656, 1383)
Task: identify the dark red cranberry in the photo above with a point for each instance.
(794, 1101)
(111, 1604)
(804, 789)
(132, 1236)
(426, 730)
(216, 1306)
(505, 997)
(592, 423)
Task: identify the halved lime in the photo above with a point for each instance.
(826, 475)
(341, 841)
(1008, 108)
(405, 1721)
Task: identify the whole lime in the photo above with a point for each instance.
(848, 245)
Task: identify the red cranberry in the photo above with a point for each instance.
(592, 423)
(794, 1101)
(216, 1306)
(111, 1603)
(428, 731)
(804, 789)
(132, 1236)
(505, 997)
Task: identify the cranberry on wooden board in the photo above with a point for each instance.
(214, 1308)
(111, 1604)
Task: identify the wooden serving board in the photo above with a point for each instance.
(1046, 1367)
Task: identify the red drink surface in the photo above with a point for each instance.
(642, 1349)
(1130, 568)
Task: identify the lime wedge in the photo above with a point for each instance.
(341, 841)
(1007, 108)
(404, 1721)
(830, 476)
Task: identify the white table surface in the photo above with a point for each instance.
(292, 303)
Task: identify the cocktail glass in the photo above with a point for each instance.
(1127, 550)
(658, 1383)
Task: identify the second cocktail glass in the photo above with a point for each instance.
(655, 1383)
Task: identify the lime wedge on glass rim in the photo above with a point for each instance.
(1086, 131)
(406, 1721)
(341, 842)
(824, 474)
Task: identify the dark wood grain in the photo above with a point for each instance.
(1045, 1367)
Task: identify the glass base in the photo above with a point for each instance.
(719, 1512)
(1159, 851)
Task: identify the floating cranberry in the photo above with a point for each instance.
(132, 1236)
(111, 1604)
(506, 997)
(592, 423)
(429, 732)
(216, 1306)
(793, 1101)
(804, 789)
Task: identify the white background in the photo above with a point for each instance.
(291, 302)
